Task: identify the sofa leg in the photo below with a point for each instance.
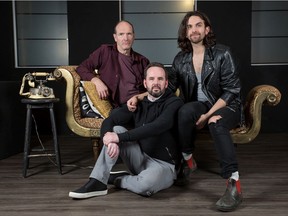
(96, 147)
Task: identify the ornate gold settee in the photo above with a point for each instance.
(90, 127)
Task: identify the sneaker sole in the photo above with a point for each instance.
(118, 172)
(228, 209)
(87, 195)
(111, 180)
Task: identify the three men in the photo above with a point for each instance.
(207, 75)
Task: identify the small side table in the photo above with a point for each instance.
(40, 104)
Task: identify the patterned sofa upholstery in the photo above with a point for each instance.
(90, 127)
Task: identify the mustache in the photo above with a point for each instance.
(156, 85)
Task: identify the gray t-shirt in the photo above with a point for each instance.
(200, 95)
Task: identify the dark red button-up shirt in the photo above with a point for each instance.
(105, 60)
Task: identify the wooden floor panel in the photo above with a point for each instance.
(263, 173)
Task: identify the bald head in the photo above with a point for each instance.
(124, 37)
(123, 23)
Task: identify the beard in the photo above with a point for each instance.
(196, 39)
(155, 91)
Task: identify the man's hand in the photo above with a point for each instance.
(113, 150)
(132, 103)
(101, 88)
(204, 118)
(202, 121)
(110, 137)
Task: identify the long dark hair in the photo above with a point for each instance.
(183, 43)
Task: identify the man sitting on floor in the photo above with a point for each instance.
(149, 150)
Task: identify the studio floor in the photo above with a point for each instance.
(263, 169)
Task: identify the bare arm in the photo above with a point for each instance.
(204, 117)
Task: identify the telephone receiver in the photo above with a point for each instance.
(40, 91)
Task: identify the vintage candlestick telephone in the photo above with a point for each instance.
(40, 91)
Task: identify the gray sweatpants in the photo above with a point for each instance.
(149, 175)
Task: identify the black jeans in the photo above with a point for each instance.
(188, 115)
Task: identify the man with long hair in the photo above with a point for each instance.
(207, 75)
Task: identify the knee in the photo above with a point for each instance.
(146, 187)
(119, 129)
(214, 119)
(185, 114)
(182, 112)
(146, 191)
(216, 127)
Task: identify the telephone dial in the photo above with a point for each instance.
(38, 91)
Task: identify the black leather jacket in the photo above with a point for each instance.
(220, 78)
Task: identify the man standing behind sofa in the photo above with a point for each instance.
(149, 150)
(119, 68)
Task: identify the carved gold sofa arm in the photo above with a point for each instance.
(258, 96)
(85, 127)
